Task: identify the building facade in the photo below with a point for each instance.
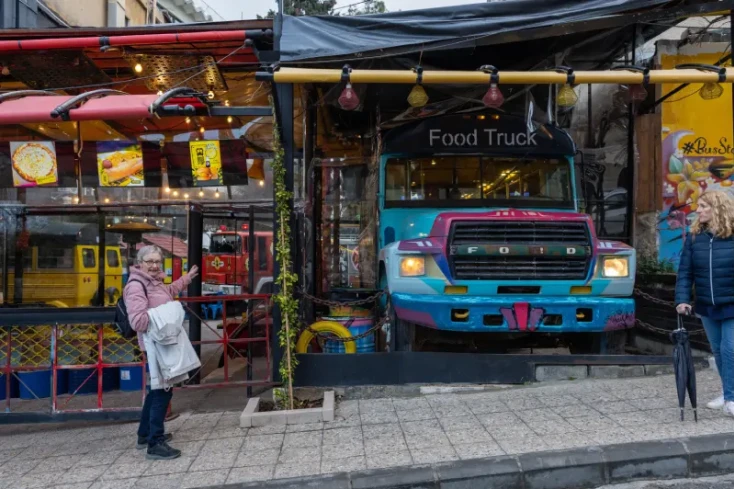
(45, 14)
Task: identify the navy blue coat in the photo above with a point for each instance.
(706, 265)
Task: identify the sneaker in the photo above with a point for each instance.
(143, 442)
(729, 408)
(162, 451)
(717, 403)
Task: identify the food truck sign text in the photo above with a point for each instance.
(489, 137)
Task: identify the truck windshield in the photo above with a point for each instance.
(226, 243)
(466, 181)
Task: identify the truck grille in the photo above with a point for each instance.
(519, 266)
(520, 232)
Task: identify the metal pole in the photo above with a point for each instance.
(283, 100)
(251, 287)
(195, 225)
(101, 258)
(630, 155)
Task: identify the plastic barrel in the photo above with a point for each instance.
(35, 384)
(131, 379)
(110, 379)
(77, 376)
(14, 390)
(357, 327)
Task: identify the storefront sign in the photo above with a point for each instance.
(488, 137)
(34, 164)
(120, 164)
(480, 133)
(206, 163)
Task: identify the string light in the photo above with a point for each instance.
(160, 92)
(226, 103)
(175, 193)
(262, 183)
(216, 194)
(106, 200)
(210, 95)
(188, 120)
(168, 190)
(201, 193)
(138, 68)
(186, 196)
(230, 119)
(202, 129)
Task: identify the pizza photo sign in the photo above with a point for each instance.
(34, 164)
(120, 164)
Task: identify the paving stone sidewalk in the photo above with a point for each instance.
(366, 434)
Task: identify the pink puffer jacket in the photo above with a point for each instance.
(137, 303)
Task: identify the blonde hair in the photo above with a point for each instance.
(721, 224)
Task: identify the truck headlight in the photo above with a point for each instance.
(615, 266)
(412, 266)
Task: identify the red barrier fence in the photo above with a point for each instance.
(46, 369)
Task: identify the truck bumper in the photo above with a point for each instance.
(541, 314)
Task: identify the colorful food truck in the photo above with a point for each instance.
(480, 233)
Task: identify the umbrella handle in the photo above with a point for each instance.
(681, 326)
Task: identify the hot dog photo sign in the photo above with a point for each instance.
(120, 164)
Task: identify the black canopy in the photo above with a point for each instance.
(369, 36)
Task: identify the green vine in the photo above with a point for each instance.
(286, 280)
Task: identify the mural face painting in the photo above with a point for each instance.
(697, 155)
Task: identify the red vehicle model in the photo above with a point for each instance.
(226, 265)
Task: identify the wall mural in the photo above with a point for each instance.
(697, 155)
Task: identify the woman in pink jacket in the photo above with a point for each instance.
(145, 290)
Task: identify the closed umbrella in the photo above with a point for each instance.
(685, 374)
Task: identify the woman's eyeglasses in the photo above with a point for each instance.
(150, 263)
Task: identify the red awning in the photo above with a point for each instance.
(38, 109)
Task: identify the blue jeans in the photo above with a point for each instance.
(721, 338)
(153, 416)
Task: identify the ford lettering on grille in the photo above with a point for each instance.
(519, 250)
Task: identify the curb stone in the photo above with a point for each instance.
(581, 468)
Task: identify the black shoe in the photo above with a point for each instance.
(162, 451)
(143, 441)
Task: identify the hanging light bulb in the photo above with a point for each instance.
(566, 96)
(418, 96)
(168, 190)
(210, 95)
(175, 193)
(348, 100)
(160, 92)
(188, 120)
(230, 119)
(711, 91)
(201, 193)
(138, 68)
(226, 103)
(186, 196)
(216, 194)
(262, 183)
(202, 129)
(493, 98)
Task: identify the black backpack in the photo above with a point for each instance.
(122, 322)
